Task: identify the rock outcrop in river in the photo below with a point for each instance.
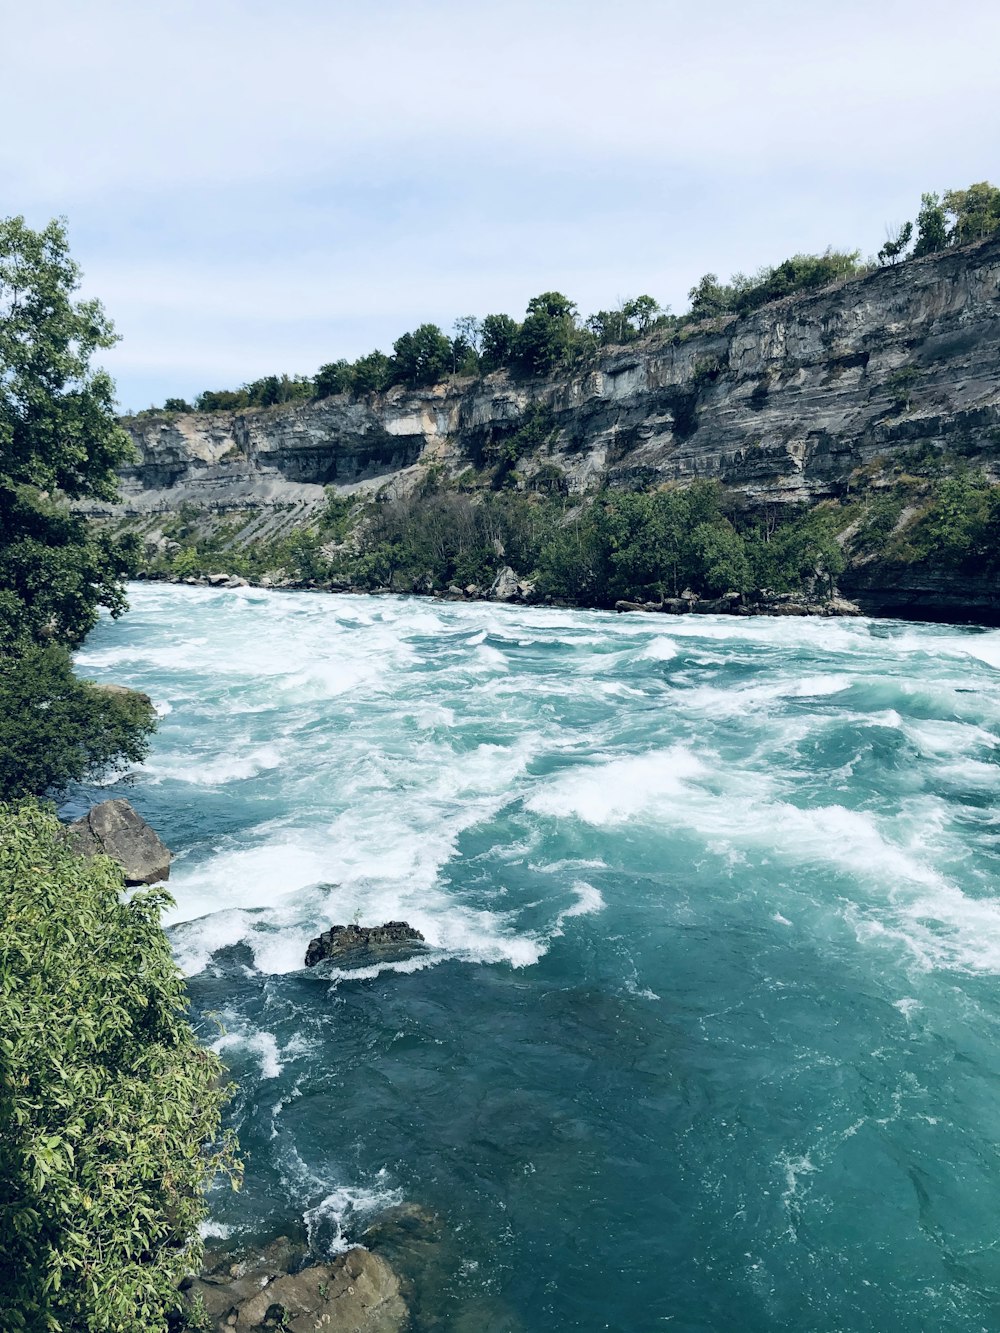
(114, 829)
(358, 946)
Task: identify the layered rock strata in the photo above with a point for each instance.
(782, 405)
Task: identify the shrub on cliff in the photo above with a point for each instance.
(109, 1107)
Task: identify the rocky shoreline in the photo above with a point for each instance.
(509, 588)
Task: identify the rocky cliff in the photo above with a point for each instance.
(784, 404)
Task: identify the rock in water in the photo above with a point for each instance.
(114, 829)
(359, 945)
(355, 1293)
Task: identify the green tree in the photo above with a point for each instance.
(932, 227)
(177, 405)
(59, 441)
(710, 298)
(222, 400)
(109, 1107)
(421, 357)
(976, 212)
(56, 729)
(371, 373)
(333, 378)
(58, 430)
(548, 333)
(498, 341)
(896, 241)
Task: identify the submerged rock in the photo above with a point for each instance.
(356, 1292)
(114, 829)
(356, 946)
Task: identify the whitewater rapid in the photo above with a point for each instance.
(765, 850)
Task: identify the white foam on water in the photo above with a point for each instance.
(263, 1044)
(344, 1210)
(215, 770)
(946, 930)
(212, 1230)
(618, 789)
(589, 900)
(661, 649)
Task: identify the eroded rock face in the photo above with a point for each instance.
(114, 829)
(781, 405)
(357, 1292)
(358, 946)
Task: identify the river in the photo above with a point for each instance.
(707, 1032)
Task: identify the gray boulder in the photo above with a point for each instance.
(505, 586)
(359, 946)
(114, 829)
(356, 1292)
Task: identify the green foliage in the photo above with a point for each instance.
(709, 298)
(177, 405)
(630, 321)
(801, 273)
(976, 212)
(371, 373)
(422, 357)
(55, 569)
(895, 245)
(552, 334)
(58, 438)
(56, 729)
(901, 384)
(57, 422)
(333, 378)
(959, 526)
(109, 1107)
(222, 400)
(499, 336)
(932, 227)
(537, 429)
(547, 335)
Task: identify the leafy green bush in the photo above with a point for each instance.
(56, 729)
(109, 1107)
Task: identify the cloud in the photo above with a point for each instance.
(244, 179)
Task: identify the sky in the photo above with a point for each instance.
(254, 187)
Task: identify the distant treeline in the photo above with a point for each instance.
(553, 334)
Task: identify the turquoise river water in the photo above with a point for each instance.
(707, 1035)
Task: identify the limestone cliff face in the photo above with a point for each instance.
(782, 405)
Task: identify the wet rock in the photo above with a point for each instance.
(216, 580)
(504, 587)
(114, 829)
(357, 1292)
(473, 590)
(840, 606)
(359, 946)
